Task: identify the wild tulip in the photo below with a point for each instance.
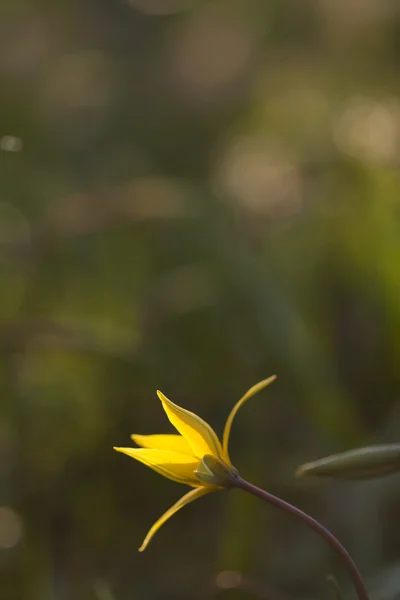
(196, 457)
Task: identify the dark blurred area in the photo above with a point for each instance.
(196, 195)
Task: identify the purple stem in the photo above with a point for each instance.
(316, 526)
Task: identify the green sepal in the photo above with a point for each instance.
(212, 471)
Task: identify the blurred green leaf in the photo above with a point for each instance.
(361, 463)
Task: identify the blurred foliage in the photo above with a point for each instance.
(196, 195)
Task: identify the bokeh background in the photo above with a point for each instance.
(195, 195)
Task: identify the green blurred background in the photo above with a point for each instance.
(196, 195)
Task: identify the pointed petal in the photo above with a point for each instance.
(186, 499)
(228, 425)
(175, 443)
(199, 435)
(178, 467)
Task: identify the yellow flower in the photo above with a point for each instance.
(196, 457)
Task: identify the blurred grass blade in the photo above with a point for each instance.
(337, 592)
(102, 591)
(361, 463)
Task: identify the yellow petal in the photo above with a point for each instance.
(199, 435)
(189, 497)
(176, 443)
(178, 467)
(228, 425)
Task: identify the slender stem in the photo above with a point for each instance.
(317, 527)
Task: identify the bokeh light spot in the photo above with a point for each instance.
(227, 580)
(11, 143)
(211, 51)
(11, 528)
(260, 175)
(369, 130)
